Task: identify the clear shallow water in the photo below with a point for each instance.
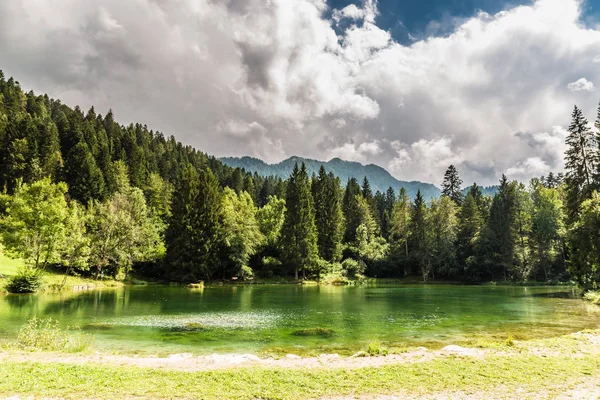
(263, 319)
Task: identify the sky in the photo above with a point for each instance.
(485, 85)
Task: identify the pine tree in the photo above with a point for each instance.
(194, 235)
(470, 223)
(85, 179)
(298, 234)
(350, 209)
(328, 216)
(580, 162)
(451, 186)
(366, 190)
(496, 250)
(400, 229)
(417, 241)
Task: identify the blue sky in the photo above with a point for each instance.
(423, 18)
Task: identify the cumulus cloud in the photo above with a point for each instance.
(581, 84)
(361, 153)
(426, 159)
(276, 78)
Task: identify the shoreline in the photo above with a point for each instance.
(193, 363)
(567, 367)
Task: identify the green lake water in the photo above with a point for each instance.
(263, 319)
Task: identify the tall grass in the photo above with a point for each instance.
(46, 335)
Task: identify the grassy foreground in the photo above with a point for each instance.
(540, 370)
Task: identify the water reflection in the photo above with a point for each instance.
(264, 318)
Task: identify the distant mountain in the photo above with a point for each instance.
(379, 178)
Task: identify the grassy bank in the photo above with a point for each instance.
(539, 369)
(52, 281)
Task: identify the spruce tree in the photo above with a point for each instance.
(350, 209)
(367, 192)
(470, 222)
(194, 235)
(580, 162)
(85, 179)
(417, 241)
(451, 186)
(496, 250)
(298, 234)
(328, 216)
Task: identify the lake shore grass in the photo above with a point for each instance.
(533, 369)
(53, 281)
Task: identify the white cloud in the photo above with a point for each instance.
(273, 79)
(361, 153)
(581, 84)
(424, 159)
(524, 170)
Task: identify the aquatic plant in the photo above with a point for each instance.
(323, 332)
(225, 320)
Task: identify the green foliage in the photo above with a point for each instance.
(580, 157)
(470, 223)
(194, 237)
(26, 280)
(451, 186)
(270, 219)
(242, 235)
(442, 225)
(593, 296)
(34, 228)
(353, 269)
(46, 335)
(123, 230)
(328, 215)
(298, 234)
(584, 263)
(547, 228)
(376, 349)
(350, 208)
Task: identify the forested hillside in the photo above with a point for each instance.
(84, 194)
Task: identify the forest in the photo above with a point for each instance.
(85, 195)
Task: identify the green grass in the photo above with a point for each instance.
(52, 280)
(505, 374)
(8, 266)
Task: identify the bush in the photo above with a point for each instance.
(25, 281)
(376, 349)
(353, 268)
(593, 296)
(46, 335)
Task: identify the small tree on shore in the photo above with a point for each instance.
(34, 228)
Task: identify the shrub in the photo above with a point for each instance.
(376, 349)
(353, 268)
(593, 296)
(25, 281)
(46, 335)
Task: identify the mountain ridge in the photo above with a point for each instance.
(379, 177)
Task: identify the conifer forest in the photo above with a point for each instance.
(84, 194)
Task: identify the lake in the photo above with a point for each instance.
(269, 319)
